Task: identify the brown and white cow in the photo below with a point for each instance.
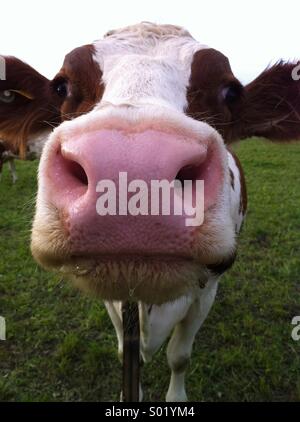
(6, 156)
(26, 106)
(151, 101)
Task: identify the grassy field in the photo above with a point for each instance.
(61, 345)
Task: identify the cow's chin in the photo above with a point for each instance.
(151, 279)
(148, 279)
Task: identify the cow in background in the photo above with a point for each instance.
(6, 156)
(26, 118)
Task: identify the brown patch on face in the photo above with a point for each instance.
(82, 78)
(30, 103)
(214, 94)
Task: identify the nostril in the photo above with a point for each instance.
(190, 172)
(76, 170)
(72, 168)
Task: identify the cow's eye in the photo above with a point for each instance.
(61, 88)
(7, 96)
(231, 94)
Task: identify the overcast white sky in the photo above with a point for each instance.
(252, 33)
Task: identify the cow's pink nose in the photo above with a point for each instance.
(81, 164)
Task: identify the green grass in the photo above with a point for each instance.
(61, 345)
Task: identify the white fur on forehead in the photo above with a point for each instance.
(149, 29)
(147, 38)
(146, 63)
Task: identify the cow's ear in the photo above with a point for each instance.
(28, 103)
(271, 105)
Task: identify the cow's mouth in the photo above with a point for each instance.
(151, 279)
(136, 258)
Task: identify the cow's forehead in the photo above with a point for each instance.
(150, 30)
(162, 41)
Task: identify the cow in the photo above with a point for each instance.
(6, 156)
(151, 101)
(33, 149)
(22, 121)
